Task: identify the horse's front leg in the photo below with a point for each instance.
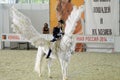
(65, 70)
(64, 66)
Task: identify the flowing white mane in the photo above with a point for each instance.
(23, 26)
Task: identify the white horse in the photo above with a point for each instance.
(62, 49)
(58, 51)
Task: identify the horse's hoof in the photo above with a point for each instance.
(40, 75)
(50, 76)
(65, 78)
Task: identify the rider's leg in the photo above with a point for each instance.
(49, 52)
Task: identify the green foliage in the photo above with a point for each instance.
(33, 1)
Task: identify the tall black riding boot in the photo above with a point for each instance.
(48, 55)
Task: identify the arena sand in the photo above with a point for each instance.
(19, 65)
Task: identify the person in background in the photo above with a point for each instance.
(45, 29)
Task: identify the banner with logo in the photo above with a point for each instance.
(102, 19)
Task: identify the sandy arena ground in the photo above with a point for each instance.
(19, 64)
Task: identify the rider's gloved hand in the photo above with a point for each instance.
(59, 34)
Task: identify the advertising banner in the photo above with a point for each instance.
(101, 17)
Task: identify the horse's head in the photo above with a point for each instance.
(63, 9)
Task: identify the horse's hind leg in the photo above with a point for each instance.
(49, 66)
(39, 58)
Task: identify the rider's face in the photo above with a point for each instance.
(59, 24)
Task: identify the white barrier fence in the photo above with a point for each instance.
(12, 38)
(96, 43)
(77, 38)
(17, 38)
